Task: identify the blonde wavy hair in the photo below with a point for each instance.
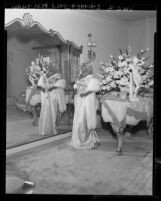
(85, 69)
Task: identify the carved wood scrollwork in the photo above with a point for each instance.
(27, 18)
(51, 32)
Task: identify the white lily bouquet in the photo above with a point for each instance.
(126, 72)
(37, 67)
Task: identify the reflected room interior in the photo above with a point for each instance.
(27, 41)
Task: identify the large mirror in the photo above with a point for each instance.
(28, 44)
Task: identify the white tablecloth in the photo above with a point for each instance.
(122, 112)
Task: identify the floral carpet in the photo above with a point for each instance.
(57, 168)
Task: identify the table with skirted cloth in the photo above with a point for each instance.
(120, 112)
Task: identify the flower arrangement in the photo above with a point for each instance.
(37, 67)
(116, 74)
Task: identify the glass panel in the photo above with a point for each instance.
(22, 121)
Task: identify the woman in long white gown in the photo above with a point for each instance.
(52, 103)
(84, 134)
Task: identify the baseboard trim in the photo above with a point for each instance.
(36, 144)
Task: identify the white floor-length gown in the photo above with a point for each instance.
(51, 104)
(84, 135)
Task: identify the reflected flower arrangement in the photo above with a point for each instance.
(37, 67)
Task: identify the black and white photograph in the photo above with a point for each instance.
(79, 101)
